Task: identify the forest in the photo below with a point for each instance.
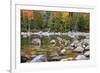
(54, 21)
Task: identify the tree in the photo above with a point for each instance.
(38, 20)
(83, 23)
(24, 23)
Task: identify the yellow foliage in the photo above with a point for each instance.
(64, 14)
(53, 14)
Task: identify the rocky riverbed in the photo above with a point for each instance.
(56, 48)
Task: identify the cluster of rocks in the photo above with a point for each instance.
(66, 51)
(81, 49)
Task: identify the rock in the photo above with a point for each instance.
(36, 42)
(56, 58)
(28, 56)
(87, 47)
(84, 45)
(85, 42)
(68, 59)
(79, 49)
(59, 39)
(69, 48)
(24, 35)
(33, 56)
(23, 59)
(67, 42)
(71, 34)
(39, 58)
(75, 43)
(63, 51)
(87, 53)
(53, 42)
(81, 57)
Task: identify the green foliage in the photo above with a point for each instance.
(83, 23)
(81, 37)
(38, 20)
(45, 40)
(74, 22)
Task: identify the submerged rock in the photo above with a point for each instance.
(56, 58)
(39, 58)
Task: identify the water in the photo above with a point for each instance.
(47, 49)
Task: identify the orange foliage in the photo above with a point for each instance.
(28, 13)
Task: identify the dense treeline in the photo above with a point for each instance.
(75, 21)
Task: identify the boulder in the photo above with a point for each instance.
(36, 42)
(87, 53)
(81, 57)
(53, 42)
(79, 49)
(39, 58)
